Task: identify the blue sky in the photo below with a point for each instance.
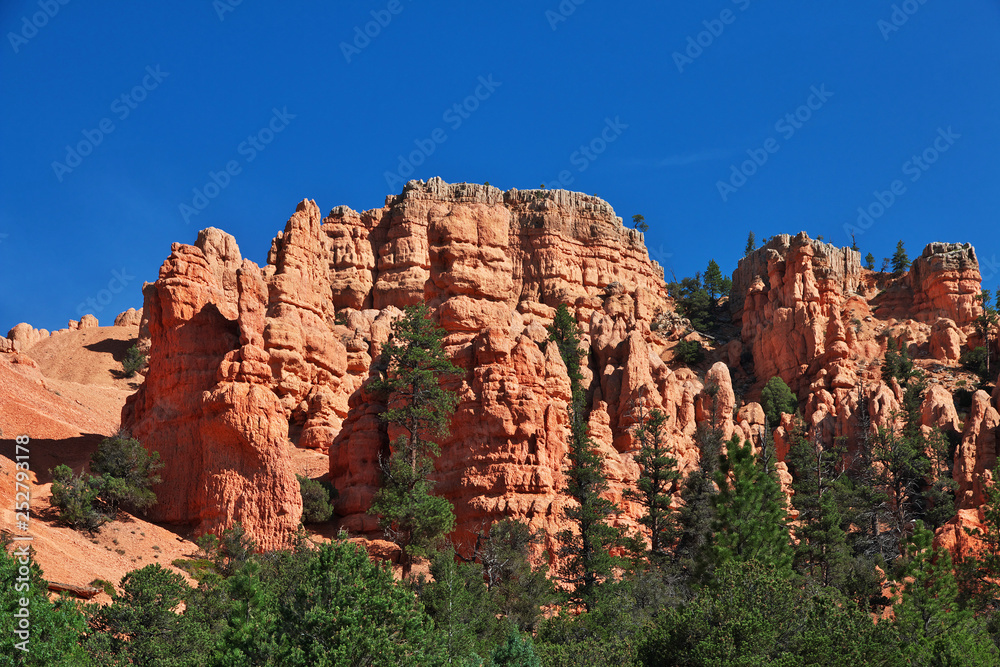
(208, 86)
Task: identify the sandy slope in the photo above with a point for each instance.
(66, 395)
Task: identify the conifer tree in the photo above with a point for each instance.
(751, 521)
(979, 569)
(697, 512)
(751, 244)
(870, 262)
(900, 260)
(414, 363)
(586, 549)
(657, 479)
(639, 223)
(715, 283)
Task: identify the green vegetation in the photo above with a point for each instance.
(639, 223)
(870, 262)
(900, 260)
(751, 244)
(586, 549)
(133, 362)
(414, 364)
(123, 474)
(317, 503)
(777, 399)
(689, 352)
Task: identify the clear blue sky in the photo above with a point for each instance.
(64, 234)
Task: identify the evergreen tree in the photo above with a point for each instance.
(900, 260)
(515, 651)
(870, 262)
(697, 513)
(986, 325)
(750, 522)
(639, 223)
(822, 551)
(751, 244)
(932, 626)
(777, 399)
(125, 472)
(854, 244)
(658, 478)
(517, 588)
(586, 549)
(693, 301)
(414, 363)
(979, 568)
(458, 601)
(715, 283)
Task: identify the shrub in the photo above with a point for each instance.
(126, 471)
(75, 496)
(133, 362)
(975, 361)
(690, 352)
(777, 399)
(317, 505)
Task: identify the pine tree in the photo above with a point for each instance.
(822, 551)
(900, 260)
(658, 477)
(414, 363)
(714, 282)
(777, 399)
(986, 324)
(586, 550)
(751, 244)
(639, 223)
(697, 512)
(750, 522)
(979, 569)
(870, 262)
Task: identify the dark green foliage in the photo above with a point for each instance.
(753, 615)
(517, 589)
(689, 352)
(639, 223)
(697, 512)
(515, 651)
(55, 627)
(75, 496)
(459, 602)
(230, 552)
(133, 362)
(125, 472)
(751, 244)
(317, 505)
(750, 519)
(900, 260)
(979, 571)
(693, 302)
(932, 627)
(586, 548)
(414, 364)
(137, 626)
(870, 262)
(716, 284)
(658, 478)
(777, 399)
(975, 361)
(897, 363)
(323, 606)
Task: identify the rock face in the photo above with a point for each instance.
(246, 362)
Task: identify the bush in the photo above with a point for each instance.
(690, 352)
(126, 471)
(133, 362)
(975, 362)
(75, 496)
(317, 505)
(777, 399)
